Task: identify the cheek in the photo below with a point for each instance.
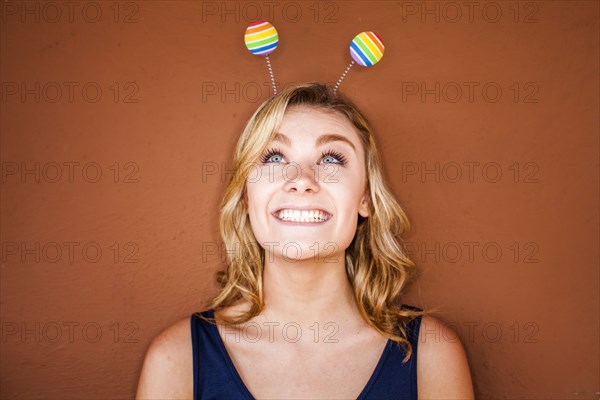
(347, 195)
(257, 196)
(252, 194)
(262, 182)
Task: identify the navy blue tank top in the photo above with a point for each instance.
(215, 376)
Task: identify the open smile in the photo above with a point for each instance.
(302, 217)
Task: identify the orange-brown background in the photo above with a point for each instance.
(73, 328)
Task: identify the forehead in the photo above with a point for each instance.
(307, 116)
(311, 123)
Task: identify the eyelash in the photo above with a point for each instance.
(328, 153)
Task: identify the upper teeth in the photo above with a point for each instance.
(302, 216)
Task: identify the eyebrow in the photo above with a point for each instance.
(323, 139)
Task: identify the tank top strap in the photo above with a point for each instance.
(397, 380)
(213, 378)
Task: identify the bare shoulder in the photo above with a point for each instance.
(442, 366)
(168, 370)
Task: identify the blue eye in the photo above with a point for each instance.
(275, 158)
(335, 155)
(271, 153)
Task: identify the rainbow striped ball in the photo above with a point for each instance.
(367, 48)
(261, 38)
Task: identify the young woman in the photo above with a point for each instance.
(307, 307)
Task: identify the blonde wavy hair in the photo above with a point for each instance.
(377, 266)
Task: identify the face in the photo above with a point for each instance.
(304, 196)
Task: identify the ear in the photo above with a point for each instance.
(363, 208)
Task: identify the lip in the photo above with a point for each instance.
(301, 208)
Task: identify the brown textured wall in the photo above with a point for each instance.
(118, 119)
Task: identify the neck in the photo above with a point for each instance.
(308, 290)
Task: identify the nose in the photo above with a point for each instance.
(301, 178)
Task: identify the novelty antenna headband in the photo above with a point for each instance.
(261, 39)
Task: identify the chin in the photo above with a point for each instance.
(300, 249)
